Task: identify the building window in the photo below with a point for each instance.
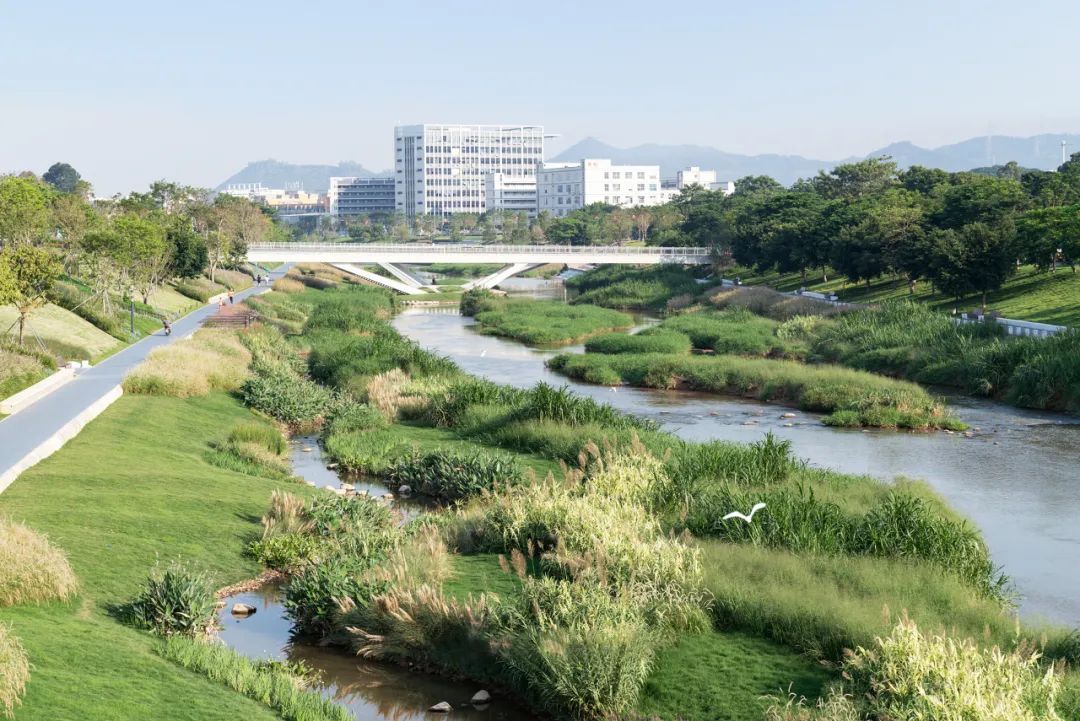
(606, 175)
(606, 187)
(652, 186)
(641, 186)
(617, 186)
(641, 176)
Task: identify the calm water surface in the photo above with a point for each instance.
(1017, 478)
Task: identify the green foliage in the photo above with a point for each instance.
(626, 287)
(911, 675)
(453, 476)
(282, 687)
(287, 551)
(737, 332)
(476, 301)
(279, 391)
(899, 526)
(877, 401)
(548, 322)
(647, 341)
(176, 600)
(255, 449)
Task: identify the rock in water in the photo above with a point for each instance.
(242, 609)
(480, 696)
(404, 490)
(441, 707)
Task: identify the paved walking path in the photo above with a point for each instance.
(41, 428)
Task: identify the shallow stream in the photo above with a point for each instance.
(1017, 478)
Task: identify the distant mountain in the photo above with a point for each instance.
(1040, 151)
(312, 178)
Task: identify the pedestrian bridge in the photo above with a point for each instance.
(512, 259)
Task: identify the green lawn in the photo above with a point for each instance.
(1029, 295)
(725, 676)
(63, 332)
(131, 489)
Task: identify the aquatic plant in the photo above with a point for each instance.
(175, 600)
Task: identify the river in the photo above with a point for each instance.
(1017, 478)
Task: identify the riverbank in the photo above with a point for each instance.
(549, 423)
(540, 322)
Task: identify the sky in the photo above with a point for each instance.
(130, 92)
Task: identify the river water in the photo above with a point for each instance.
(1017, 478)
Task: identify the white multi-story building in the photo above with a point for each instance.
(513, 194)
(361, 196)
(440, 169)
(705, 178)
(564, 187)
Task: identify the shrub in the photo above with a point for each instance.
(211, 360)
(287, 514)
(736, 332)
(348, 416)
(288, 285)
(288, 551)
(200, 289)
(452, 476)
(312, 595)
(14, 671)
(627, 287)
(261, 434)
(32, 570)
(476, 301)
(907, 675)
(278, 391)
(281, 686)
(770, 303)
(176, 601)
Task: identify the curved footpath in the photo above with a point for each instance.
(39, 430)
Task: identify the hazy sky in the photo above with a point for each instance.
(128, 92)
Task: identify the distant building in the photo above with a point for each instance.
(564, 187)
(512, 194)
(441, 169)
(705, 178)
(361, 196)
(285, 201)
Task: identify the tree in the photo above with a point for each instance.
(27, 272)
(188, 250)
(977, 198)
(63, 177)
(235, 223)
(852, 181)
(987, 256)
(1047, 235)
(145, 251)
(642, 219)
(24, 211)
(72, 217)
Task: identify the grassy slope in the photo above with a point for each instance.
(168, 300)
(1042, 297)
(132, 488)
(63, 331)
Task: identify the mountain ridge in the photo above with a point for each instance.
(1036, 151)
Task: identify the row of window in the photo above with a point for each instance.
(491, 149)
(627, 175)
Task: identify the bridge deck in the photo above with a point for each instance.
(453, 253)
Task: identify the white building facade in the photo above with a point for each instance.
(440, 169)
(564, 187)
(511, 194)
(705, 178)
(350, 196)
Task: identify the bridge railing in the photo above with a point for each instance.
(451, 249)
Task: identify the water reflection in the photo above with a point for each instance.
(372, 691)
(1017, 477)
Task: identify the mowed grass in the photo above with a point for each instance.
(165, 299)
(63, 332)
(725, 676)
(132, 489)
(1042, 297)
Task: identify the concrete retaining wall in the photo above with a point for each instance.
(64, 434)
(42, 388)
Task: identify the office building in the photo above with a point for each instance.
(564, 187)
(361, 196)
(705, 178)
(510, 194)
(441, 169)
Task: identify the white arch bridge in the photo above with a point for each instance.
(513, 259)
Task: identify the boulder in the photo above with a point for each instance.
(442, 707)
(788, 415)
(331, 466)
(404, 490)
(749, 423)
(307, 449)
(480, 696)
(388, 496)
(348, 486)
(242, 609)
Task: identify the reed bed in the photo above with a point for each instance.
(211, 360)
(856, 397)
(625, 287)
(549, 322)
(32, 570)
(288, 285)
(647, 341)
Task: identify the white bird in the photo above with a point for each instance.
(613, 389)
(735, 514)
(483, 353)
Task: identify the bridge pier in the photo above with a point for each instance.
(509, 271)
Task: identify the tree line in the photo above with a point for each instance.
(121, 247)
